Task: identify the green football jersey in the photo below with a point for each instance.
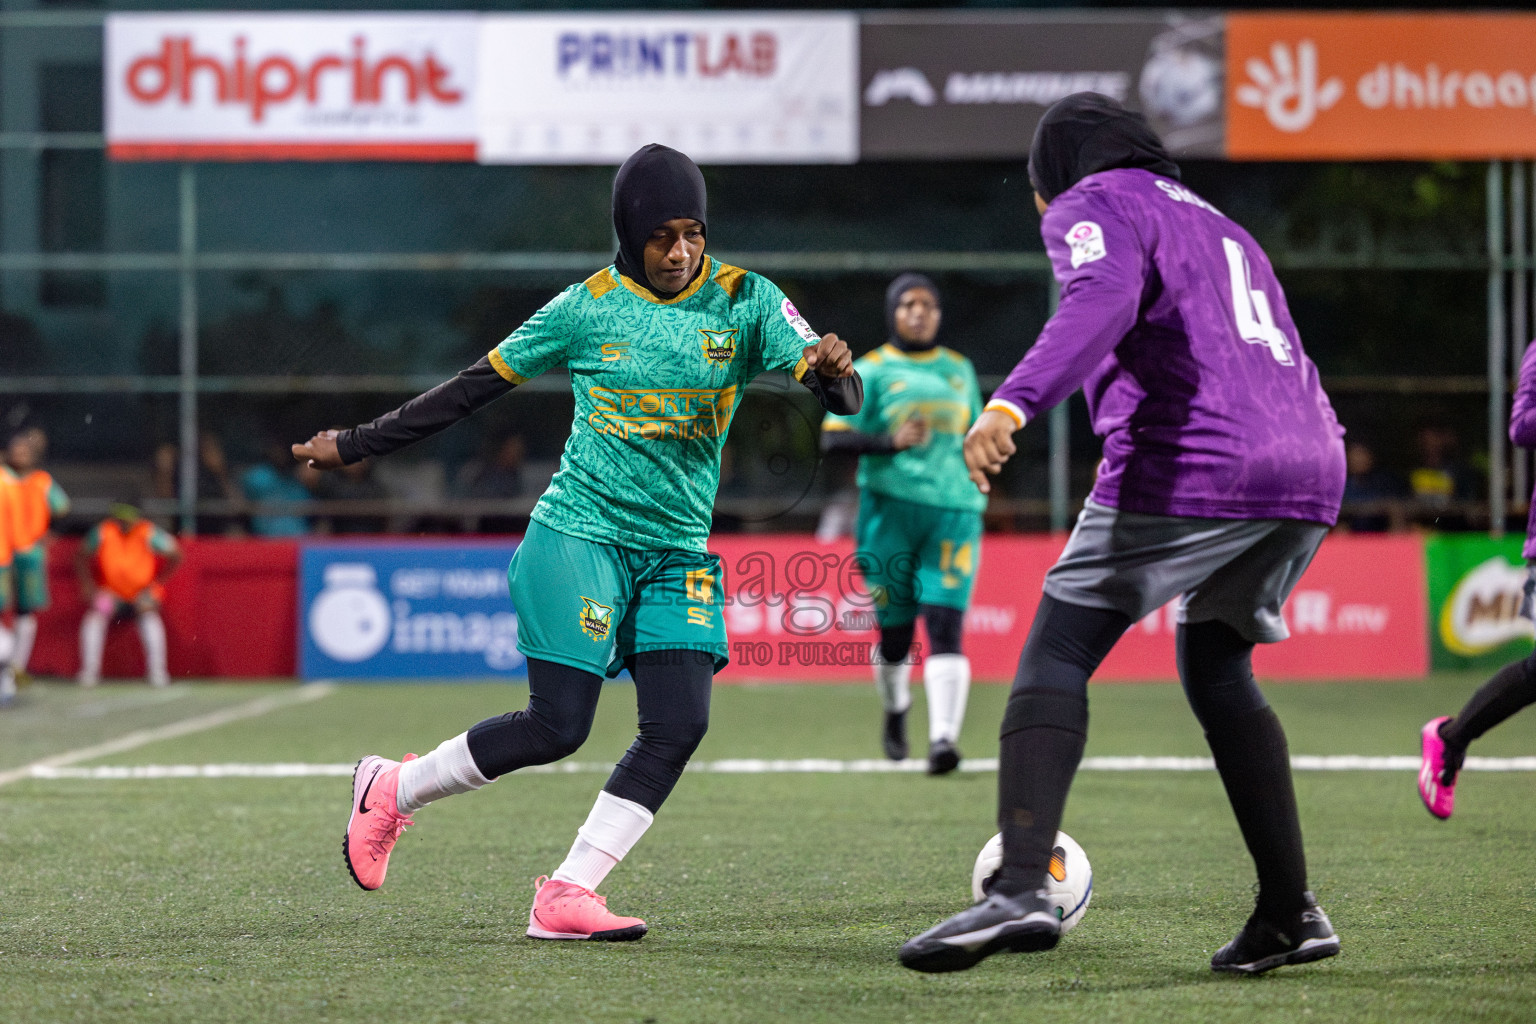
(940, 386)
(656, 384)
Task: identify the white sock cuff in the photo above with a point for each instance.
(615, 825)
(950, 665)
(894, 683)
(948, 680)
(455, 766)
(446, 771)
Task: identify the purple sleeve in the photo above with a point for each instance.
(1098, 260)
(1522, 416)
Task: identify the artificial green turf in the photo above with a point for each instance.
(774, 897)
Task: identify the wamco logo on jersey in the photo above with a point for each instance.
(604, 55)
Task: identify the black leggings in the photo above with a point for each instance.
(672, 690)
(944, 625)
(1067, 642)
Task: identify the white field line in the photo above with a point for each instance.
(744, 766)
(187, 726)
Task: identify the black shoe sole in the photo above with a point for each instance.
(629, 934)
(1269, 963)
(346, 850)
(938, 957)
(944, 762)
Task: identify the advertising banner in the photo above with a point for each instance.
(1317, 86)
(723, 88)
(408, 610)
(950, 87)
(1476, 585)
(797, 610)
(290, 86)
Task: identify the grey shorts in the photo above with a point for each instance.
(1237, 571)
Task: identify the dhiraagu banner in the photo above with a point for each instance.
(1476, 584)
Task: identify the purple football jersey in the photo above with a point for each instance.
(1172, 322)
(1522, 429)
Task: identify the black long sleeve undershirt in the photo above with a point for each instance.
(841, 396)
(479, 385)
(425, 415)
(854, 442)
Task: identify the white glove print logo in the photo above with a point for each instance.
(1287, 89)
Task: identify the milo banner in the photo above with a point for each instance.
(1476, 585)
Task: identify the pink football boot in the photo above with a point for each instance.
(375, 823)
(1438, 794)
(562, 910)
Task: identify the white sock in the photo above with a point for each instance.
(611, 831)
(93, 640)
(26, 638)
(892, 682)
(445, 771)
(948, 680)
(7, 683)
(152, 632)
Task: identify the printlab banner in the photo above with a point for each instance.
(1476, 585)
(290, 86)
(724, 88)
(797, 610)
(406, 611)
(940, 87)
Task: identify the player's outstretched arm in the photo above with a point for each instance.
(988, 445)
(421, 417)
(835, 383)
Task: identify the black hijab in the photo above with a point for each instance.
(1085, 133)
(893, 293)
(655, 185)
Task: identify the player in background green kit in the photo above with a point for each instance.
(919, 529)
(37, 501)
(613, 571)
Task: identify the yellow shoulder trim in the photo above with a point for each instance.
(506, 372)
(601, 283)
(832, 423)
(730, 278)
(682, 296)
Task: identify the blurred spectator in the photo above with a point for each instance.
(214, 481)
(351, 483)
(275, 479)
(123, 564)
(37, 501)
(1368, 482)
(499, 476)
(1438, 478)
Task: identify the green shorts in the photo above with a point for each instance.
(591, 605)
(917, 554)
(5, 587)
(30, 569)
